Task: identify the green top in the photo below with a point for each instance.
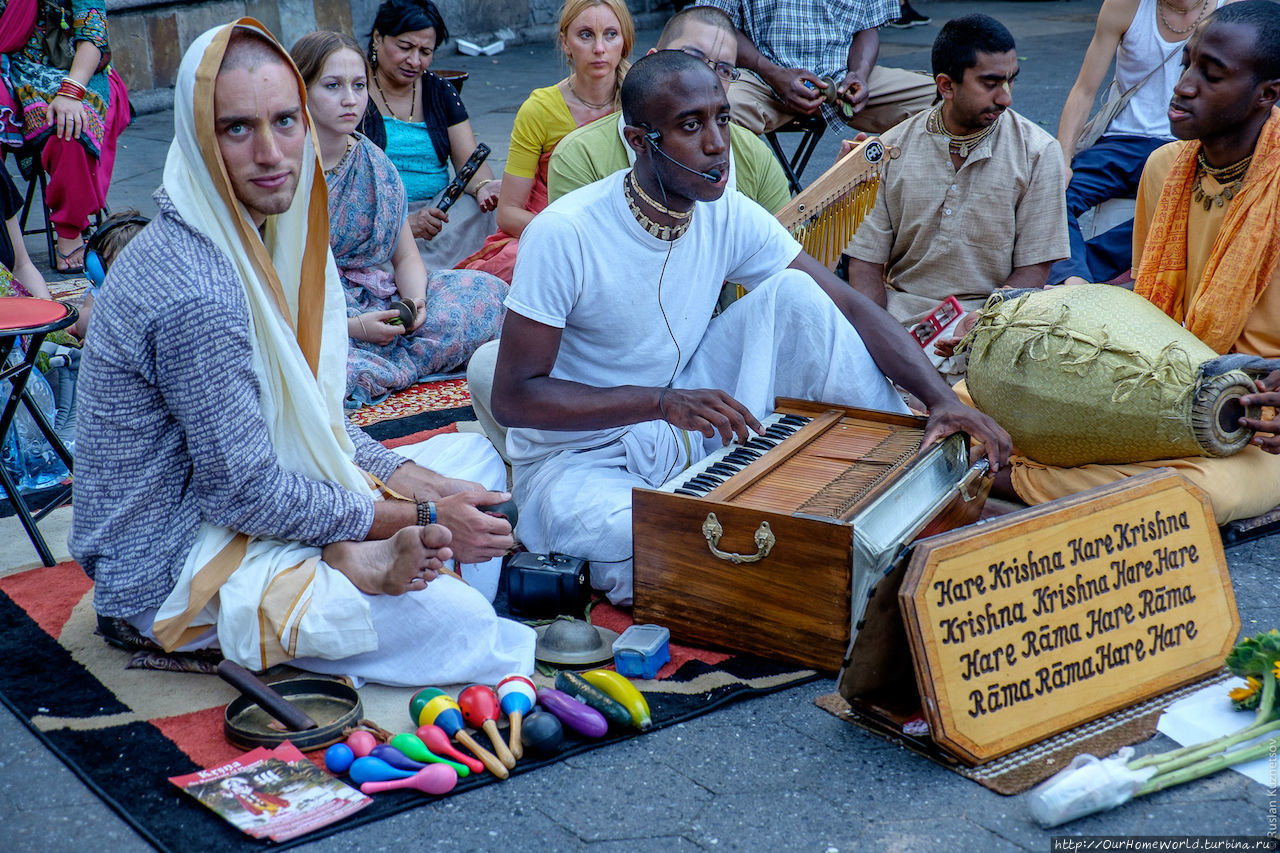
(595, 151)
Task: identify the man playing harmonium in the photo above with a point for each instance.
(611, 372)
(597, 150)
(975, 202)
(1207, 239)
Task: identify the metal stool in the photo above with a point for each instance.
(812, 127)
(38, 182)
(26, 315)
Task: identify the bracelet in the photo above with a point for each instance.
(66, 90)
(661, 411)
(481, 186)
(68, 79)
(360, 317)
(426, 513)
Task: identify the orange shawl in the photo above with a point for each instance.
(1244, 255)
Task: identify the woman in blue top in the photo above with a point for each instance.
(420, 121)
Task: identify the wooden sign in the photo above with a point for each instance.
(1031, 624)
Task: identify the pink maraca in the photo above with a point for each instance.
(437, 740)
(435, 779)
(361, 743)
(517, 696)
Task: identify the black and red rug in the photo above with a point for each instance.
(125, 731)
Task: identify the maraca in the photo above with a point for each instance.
(396, 758)
(361, 743)
(338, 758)
(543, 733)
(366, 768)
(438, 742)
(517, 696)
(445, 713)
(436, 779)
(412, 746)
(479, 706)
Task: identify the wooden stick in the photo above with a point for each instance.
(487, 758)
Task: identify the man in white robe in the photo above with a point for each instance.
(612, 373)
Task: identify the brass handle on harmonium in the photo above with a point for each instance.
(713, 530)
(968, 487)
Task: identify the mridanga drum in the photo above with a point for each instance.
(1097, 374)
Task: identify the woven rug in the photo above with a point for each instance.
(125, 731)
(436, 395)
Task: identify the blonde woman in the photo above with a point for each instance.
(596, 37)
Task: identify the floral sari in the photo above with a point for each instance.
(464, 308)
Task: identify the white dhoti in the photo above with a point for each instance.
(283, 603)
(784, 339)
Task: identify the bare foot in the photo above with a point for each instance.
(408, 561)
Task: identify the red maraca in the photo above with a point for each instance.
(445, 713)
(516, 696)
(434, 779)
(438, 742)
(479, 706)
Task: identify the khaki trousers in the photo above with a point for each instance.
(895, 95)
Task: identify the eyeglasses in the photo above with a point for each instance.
(723, 70)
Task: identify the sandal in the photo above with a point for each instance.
(72, 262)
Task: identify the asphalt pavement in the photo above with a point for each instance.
(774, 773)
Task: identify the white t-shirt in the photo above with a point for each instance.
(586, 266)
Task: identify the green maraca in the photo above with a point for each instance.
(412, 746)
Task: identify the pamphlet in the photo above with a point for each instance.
(273, 793)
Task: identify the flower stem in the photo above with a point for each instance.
(1207, 766)
(1261, 723)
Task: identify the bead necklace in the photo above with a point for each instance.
(1231, 177)
(662, 232)
(1160, 4)
(661, 208)
(961, 145)
(345, 154)
(413, 99)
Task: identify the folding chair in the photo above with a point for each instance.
(812, 127)
(25, 315)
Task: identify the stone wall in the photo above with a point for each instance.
(148, 37)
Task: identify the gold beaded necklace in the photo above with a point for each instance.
(961, 145)
(662, 232)
(661, 208)
(1230, 177)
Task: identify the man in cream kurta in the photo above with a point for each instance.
(957, 221)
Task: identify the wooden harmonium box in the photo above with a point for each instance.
(773, 547)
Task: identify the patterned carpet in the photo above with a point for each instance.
(431, 396)
(125, 730)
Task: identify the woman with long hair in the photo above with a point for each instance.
(454, 311)
(596, 37)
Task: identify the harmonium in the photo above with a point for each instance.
(775, 546)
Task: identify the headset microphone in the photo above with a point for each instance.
(653, 136)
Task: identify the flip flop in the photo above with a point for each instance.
(65, 265)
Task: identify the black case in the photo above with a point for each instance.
(540, 586)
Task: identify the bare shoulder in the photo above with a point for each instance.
(1115, 17)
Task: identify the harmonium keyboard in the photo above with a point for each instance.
(773, 546)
